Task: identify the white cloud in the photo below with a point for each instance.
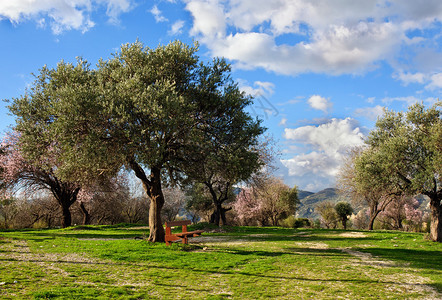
(435, 82)
(371, 100)
(333, 37)
(408, 100)
(158, 15)
(319, 103)
(332, 137)
(176, 27)
(61, 14)
(209, 19)
(283, 122)
(259, 88)
(260, 91)
(371, 113)
(115, 8)
(330, 142)
(408, 77)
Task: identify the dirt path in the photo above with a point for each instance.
(407, 281)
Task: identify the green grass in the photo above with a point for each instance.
(111, 262)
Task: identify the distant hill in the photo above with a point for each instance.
(303, 194)
(309, 200)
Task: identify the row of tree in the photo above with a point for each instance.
(269, 204)
(161, 113)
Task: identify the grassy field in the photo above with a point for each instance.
(233, 263)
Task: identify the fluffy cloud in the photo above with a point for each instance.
(259, 88)
(435, 82)
(62, 14)
(176, 27)
(209, 19)
(330, 142)
(371, 113)
(333, 37)
(319, 103)
(407, 77)
(158, 15)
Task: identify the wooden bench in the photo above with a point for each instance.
(183, 235)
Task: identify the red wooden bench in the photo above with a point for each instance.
(183, 235)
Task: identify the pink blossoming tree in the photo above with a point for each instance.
(19, 173)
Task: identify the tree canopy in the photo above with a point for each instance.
(343, 210)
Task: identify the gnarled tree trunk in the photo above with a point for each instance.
(219, 213)
(86, 215)
(66, 220)
(152, 187)
(436, 219)
(157, 233)
(66, 195)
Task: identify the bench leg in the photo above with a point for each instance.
(184, 240)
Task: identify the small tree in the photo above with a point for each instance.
(199, 202)
(326, 210)
(343, 210)
(357, 186)
(267, 204)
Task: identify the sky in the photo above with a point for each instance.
(321, 71)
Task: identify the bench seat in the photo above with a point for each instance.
(184, 235)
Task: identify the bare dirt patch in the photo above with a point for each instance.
(312, 245)
(368, 259)
(353, 234)
(137, 228)
(404, 282)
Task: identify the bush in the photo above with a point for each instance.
(302, 222)
(292, 222)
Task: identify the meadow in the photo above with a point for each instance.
(115, 262)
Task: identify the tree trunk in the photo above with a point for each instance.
(373, 214)
(152, 187)
(157, 233)
(344, 222)
(219, 215)
(436, 219)
(66, 220)
(86, 215)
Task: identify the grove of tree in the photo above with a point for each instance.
(403, 157)
(158, 112)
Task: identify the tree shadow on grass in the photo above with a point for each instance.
(430, 261)
(203, 272)
(234, 271)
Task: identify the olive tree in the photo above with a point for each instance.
(343, 210)
(357, 186)
(329, 217)
(404, 157)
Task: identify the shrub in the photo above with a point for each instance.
(292, 222)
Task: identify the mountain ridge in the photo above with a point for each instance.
(309, 200)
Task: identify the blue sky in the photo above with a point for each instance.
(321, 71)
